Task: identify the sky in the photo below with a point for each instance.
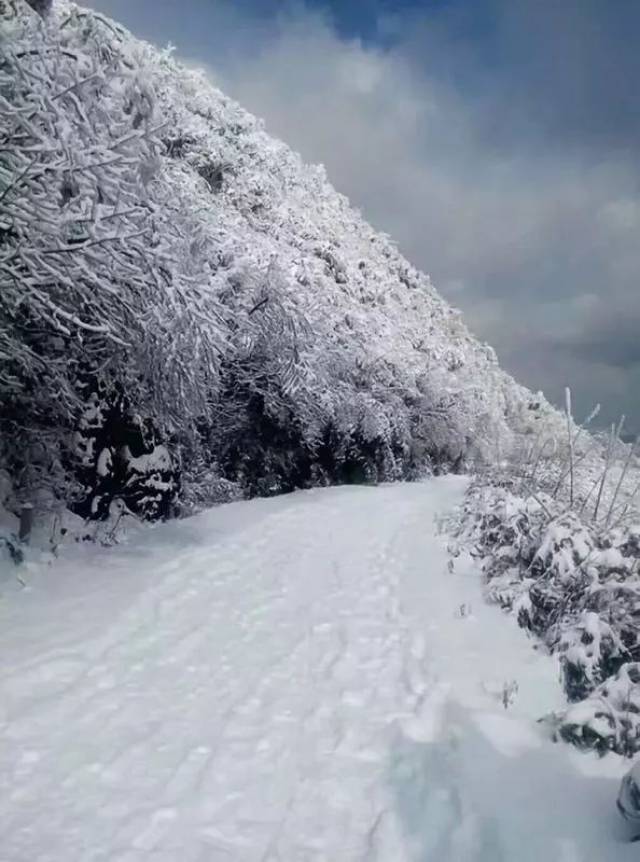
(497, 141)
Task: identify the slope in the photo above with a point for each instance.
(298, 678)
(181, 297)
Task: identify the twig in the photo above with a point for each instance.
(607, 464)
(567, 394)
(623, 474)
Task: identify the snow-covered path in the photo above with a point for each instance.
(291, 679)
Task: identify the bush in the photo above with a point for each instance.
(575, 585)
(609, 718)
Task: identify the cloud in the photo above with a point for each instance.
(495, 141)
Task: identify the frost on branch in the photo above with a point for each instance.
(171, 276)
(576, 586)
(92, 293)
(609, 719)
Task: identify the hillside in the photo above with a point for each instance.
(189, 313)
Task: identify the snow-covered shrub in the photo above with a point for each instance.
(590, 652)
(575, 585)
(585, 602)
(9, 523)
(609, 718)
(97, 274)
(505, 532)
(202, 486)
(116, 456)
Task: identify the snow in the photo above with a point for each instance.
(298, 678)
(183, 269)
(104, 463)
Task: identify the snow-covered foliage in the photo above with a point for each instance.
(184, 303)
(104, 304)
(574, 583)
(9, 523)
(609, 719)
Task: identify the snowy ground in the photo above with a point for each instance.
(291, 679)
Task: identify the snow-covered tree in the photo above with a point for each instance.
(99, 283)
(167, 265)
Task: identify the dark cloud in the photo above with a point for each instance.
(564, 72)
(496, 141)
(577, 65)
(612, 338)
